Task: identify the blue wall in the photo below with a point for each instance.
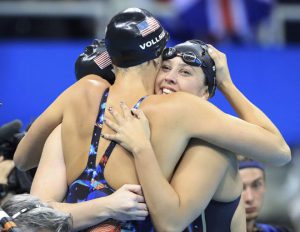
(34, 73)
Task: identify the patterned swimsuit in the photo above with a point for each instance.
(91, 184)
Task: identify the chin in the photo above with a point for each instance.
(251, 216)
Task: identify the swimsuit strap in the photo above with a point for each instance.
(112, 144)
(97, 131)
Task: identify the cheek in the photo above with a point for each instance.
(190, 86)
(158, 80)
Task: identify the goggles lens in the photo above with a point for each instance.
(188, 57)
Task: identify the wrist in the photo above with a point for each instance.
(142, 148)
(226, 86)
(108, 211)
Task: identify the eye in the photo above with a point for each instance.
(257, 184)
(165, 67)
(185, 72)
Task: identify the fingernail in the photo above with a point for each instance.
(209, 50)
(110, 108)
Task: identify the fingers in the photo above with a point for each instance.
(138, 114)
(135, 188)
(142, 207)
(140, 212)
(111, 137)
(119, 119)
(111, 125)
(125, 110)
(215, 54)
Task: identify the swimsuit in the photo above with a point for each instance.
(217, 217)
(91, 183)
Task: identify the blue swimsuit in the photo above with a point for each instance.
(91, 184)
(217, 217)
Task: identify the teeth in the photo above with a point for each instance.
(167, 91)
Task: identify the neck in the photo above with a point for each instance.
(135, 81)
(250, 225)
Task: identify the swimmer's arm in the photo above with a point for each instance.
(242, 106)
(205, 121)
(174, 206)
(50, 185)
(29, 150)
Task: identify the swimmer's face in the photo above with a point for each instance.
(253, 191)
(175, 75)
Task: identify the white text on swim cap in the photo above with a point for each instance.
(153, 41)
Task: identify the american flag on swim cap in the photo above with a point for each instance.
(103, 60)
(148, 26)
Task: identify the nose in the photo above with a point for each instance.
(171, 78)
(248, 195)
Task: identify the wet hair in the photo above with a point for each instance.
(32, 215)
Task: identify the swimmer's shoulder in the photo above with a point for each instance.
(93, 81)
(85, 90)
(170, 102)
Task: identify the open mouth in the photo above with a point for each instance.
(167, 91)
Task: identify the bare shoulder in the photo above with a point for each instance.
(92, 81)
(172, 101)
(177, 105)
(90, 86)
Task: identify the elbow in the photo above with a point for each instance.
(20, 163)
(286, 154)
(283, 155)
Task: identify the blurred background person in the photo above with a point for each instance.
(32, 215)
(254, 187)
(12, 180)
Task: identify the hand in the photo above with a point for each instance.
(222, 71)
(128, 203)
(6, 167)
(132, 129)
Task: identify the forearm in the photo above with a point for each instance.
(29, 150)
(162, 200)
(28, 153)
(252, 114)
(85, 214)
(245, 109)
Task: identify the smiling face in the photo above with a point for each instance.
(253, 191)
(175, 75)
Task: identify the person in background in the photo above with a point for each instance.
(30, 214)
(254, 187)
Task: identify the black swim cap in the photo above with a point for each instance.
(133, 37)
(195, 53)
(95, 60)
